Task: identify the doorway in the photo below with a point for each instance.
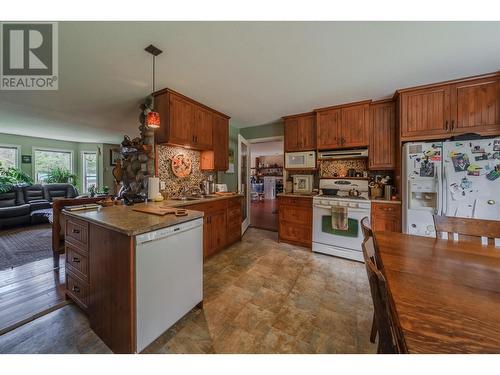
(266, 181)
(244, 179)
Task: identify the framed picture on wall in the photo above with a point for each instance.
(231, 161)
(113, 157)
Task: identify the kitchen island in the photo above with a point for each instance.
(134, 274)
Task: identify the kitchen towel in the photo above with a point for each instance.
(339, 218)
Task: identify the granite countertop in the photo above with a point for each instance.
(125, 220)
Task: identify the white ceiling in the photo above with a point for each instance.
(255, 72)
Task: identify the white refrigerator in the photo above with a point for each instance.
(453, 178)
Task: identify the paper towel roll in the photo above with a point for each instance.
(153, 187)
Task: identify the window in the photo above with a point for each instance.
(47, 159)
(89, 169)
(9, 156)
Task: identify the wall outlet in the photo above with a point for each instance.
(162, 185)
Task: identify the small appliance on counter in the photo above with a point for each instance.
(220, 188)
(302, 184)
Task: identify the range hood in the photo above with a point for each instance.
(344, 154)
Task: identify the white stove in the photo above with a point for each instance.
(337, 218)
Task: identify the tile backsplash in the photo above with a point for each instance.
(338, 168)
(173, 184)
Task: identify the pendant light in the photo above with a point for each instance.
(153, 118)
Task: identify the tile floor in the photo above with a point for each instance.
(260, 296)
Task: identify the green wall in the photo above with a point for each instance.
(253, 132)
(231, 179)
(263, 131)
(27, 144)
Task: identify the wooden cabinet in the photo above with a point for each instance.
(344, 126)
(440, 111)
(386, 217)
(76, 234)
(295, 220)
(328, 124)
(476, 106)
(218, 158)
(425, 112)
(354, 129)
(202, 128)
(382, 133)
(185, 122)
(300, 132)
(181, 121)
(222, 223)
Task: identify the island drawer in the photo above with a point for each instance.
(77, 262)
(76, 232)
(77, 290)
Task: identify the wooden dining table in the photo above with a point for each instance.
(446, 295)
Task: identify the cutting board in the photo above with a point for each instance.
(155, 210)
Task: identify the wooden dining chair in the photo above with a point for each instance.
(390, 340)
(366, 228)
(367, 233)
(466, 229)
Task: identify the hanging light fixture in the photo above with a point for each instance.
(153, 118)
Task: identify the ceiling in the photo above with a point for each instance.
(255, 72)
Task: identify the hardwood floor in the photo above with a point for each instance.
(264, 214)
(28, 291)
(260, 296)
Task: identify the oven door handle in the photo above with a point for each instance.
(353, 209)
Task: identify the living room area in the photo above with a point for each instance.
(39, 176)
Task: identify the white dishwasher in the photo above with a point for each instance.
(168, 278)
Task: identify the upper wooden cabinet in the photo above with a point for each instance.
(218, 158)
(440, 111)
(328, 125)
(185, 122)
(343, 126)
(300, 132)
(382, 131)
(476, 106)
(425, 112)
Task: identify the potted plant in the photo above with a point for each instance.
(10, 177)
(60, 175)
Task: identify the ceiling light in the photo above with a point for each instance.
(153, 118)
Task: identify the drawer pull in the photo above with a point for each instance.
(76, 260)
(76, 289)
(76, 231)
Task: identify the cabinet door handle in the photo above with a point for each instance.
(76, 231)
(452, 124)
(76, 260)
(76, 289)
(446, 125)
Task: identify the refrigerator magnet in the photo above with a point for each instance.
(477, 149)
(496, 145)
(460, 162)
(481, 157)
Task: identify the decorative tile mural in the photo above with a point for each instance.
(338, 168)
(173, 184)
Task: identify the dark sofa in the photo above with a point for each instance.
(17, 205)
